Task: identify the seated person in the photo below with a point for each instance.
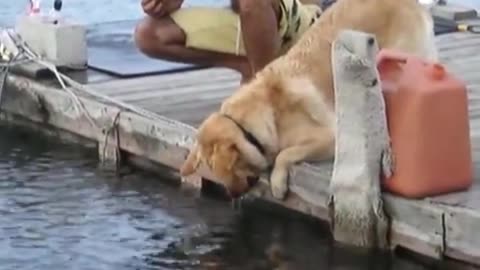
(245, 36)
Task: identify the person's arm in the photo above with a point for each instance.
(160, 8)
(258, 19)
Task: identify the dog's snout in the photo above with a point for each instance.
(252, 180)
(234, 195)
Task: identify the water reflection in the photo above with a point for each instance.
(59, 212)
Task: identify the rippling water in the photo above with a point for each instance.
(89, 11)
(95, 11)
(58, 211)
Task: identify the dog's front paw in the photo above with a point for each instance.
(279, 183)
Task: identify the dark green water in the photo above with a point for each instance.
(59, 211)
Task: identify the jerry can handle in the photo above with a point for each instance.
(436, 70)
(392, 55)
(389, 56)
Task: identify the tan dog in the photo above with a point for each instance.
(285, 115)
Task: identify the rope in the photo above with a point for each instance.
(3, 79)
(4, 73)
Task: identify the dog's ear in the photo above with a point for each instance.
(250, 152)
(192, 162)
(225, 154)
(234, 156)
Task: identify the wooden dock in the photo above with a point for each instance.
(439, 227)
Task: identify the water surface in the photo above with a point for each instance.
(59, 211)
(90, 11)
(96, 11)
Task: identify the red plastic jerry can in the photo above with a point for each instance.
(428, 122)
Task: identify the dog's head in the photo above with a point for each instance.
(223, 147)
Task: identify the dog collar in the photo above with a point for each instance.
(248, 135)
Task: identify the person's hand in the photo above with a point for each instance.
(160, 8)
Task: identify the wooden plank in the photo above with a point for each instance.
(464, 53)
(461, 236)
(468, 199)
(465, 64)
(149, 91)
(184, 98)
(455, 39)
(192, 114)
(167, 83)
(163, 101)
(462, 219)
(195, 92)
(410, 220)
(464, 43)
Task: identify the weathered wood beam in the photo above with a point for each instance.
(462, 240)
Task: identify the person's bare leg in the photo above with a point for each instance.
(163, 39)
(260, 31)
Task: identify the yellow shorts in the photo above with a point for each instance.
(218, 29)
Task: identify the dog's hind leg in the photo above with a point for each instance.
(320, 146)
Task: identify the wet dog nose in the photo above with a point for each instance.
(252, 181)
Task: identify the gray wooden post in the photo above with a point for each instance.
(362, 143)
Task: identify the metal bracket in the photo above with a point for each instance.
(3, 80)
(109, 145)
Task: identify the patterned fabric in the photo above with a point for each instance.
(219, 29)
(295, 18)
